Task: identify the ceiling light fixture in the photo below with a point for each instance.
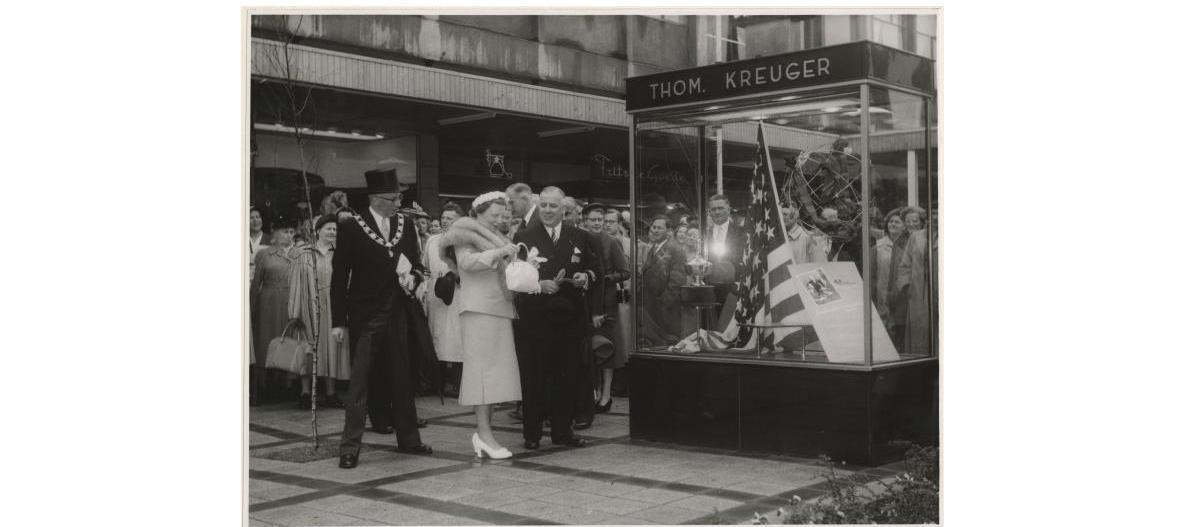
(282, 129)
(466, 118)
(565, 131)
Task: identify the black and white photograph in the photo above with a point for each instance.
(552, 263)
(412, 363)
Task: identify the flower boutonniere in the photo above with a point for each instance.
(575, 255)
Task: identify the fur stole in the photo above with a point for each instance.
(467, 231)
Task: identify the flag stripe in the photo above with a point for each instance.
(791, 305)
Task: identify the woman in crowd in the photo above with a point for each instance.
(257, 242)
(913, 281)
(435, 227)
(605, 306)
(334, 202)
(449, 350)
(886, 258)
(474, 248)
(309, 293)
(269, 297)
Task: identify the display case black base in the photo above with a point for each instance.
(861, 417)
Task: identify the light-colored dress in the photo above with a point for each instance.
(440, 321)
(490, 373)
(269, 296)
(309, 291)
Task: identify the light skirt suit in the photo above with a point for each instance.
(486, 312)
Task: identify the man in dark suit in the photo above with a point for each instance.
(725, 242)
(662, 275)
(552, 326)
(368, 297)
(524, 204)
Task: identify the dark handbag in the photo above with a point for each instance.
(444, 286)
(289, 352)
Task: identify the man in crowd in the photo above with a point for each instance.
(552, 326)
(662, 276)
(807, 246)
(524, 205)
(726, 241)
(572, 212)
(370, 307)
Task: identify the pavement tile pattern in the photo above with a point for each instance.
(612, 481)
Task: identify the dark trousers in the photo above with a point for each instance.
(378, 355)
(585, 387)
(379, 396)
(548, 359)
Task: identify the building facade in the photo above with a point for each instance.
(466, 104)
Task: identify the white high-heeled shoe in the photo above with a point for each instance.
(481, 447)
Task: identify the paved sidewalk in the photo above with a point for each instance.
(612, 481)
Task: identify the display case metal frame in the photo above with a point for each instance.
(859, 413)
(873, 56)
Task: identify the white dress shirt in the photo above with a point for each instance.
(719, 232)
(382, 222)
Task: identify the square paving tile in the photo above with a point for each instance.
(270, 490)
(488, 500)
(571, 498)
(430, 489)
(630, 520)
(656, 496)
(705, 503)
(299, 515)
(530, 508)
(718, 479)
(527, 492)
(763, 487)
(618, 506)
(609, 488)
(256, 438)
(516, 474)
(357, 507)
(668, 514)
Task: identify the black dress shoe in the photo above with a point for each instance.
(382, 429)
(419, 448)
(604, 408)
(348, 461)
(533, 445)
(573, 441)
(422, 423)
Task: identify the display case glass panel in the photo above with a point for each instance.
(761, 247)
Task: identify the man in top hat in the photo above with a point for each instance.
(371, 307)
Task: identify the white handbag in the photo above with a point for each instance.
(521, 276)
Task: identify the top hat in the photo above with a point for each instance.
(383, 181)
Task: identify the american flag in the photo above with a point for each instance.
(766, 258)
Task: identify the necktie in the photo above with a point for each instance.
(554, 235)
(384, 227)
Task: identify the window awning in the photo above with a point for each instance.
(310, 65)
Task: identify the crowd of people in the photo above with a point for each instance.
(380, 291)
(397, 302)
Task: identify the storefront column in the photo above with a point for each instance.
(912, 178)
(427, 173)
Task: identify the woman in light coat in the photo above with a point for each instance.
(474, 248)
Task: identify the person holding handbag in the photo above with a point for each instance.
(309, 293)
(475, 249)
(269, 298)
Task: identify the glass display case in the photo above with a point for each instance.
(786, 233)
